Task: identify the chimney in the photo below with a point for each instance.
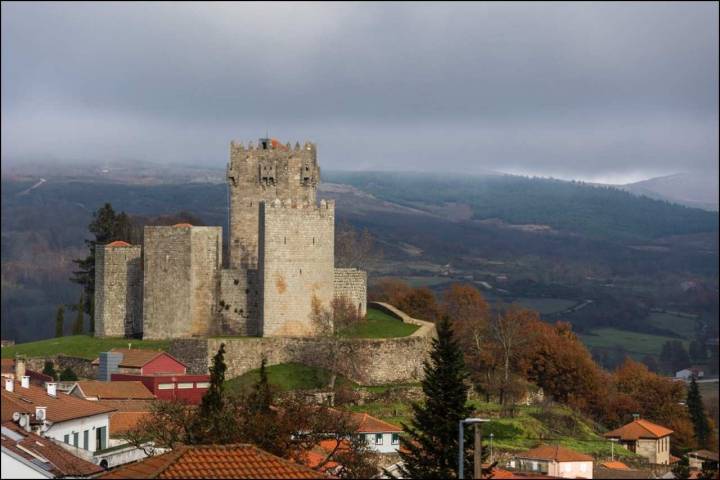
(25, 381)
(51, 389)
(9, 384)
(19, 366)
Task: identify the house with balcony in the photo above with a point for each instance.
(553, 461)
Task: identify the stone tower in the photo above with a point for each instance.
(182, 265)
(118, 290)
(263, 173)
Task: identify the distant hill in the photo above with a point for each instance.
(692, 190)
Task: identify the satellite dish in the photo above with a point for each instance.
(23, 421)
(16, 416)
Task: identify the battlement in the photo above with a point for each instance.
(323, 207)
(270, 145)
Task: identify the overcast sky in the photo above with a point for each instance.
(605, 92)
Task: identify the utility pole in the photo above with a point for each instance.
(477, 456)
(461, 442)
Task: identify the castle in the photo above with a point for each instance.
(280, 272)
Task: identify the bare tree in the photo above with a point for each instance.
(355, 249)
(508, 330)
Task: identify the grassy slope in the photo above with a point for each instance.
(287, 376)
(379, 325)
(527, 429)
(635, 343)
(79, 346)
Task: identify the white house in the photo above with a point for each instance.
(49, 413)
(687, 373)
(383, 437)
(554, 461)
(26, 455)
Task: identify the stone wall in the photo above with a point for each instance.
(181, 280)
(365, 361)
(257, 174)
(118, 291)
(296, 265)
(239, 302)
(351, 284)
(82, 367)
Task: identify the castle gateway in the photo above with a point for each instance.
(281, 273)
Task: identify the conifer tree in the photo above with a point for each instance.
(60, 321)
(209, 424)
(106, 226)
(700, 421)
(49, 369)
(261, 397)
(68, 375)
(79, 316)
(431, 447)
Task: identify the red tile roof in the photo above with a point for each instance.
(615, 465)
(215, 461)
(369, 424)
(114, 390)
(118, 243)
(128, 414)
(7, 365)
(556, 453)
(639, 429)
(137, 357)
(184, 225)
(60, 408)
(34, 448)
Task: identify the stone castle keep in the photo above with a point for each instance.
(281, 271)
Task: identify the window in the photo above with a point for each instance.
(86, 440)
(66, 439)
(76, 439)
(202, 384)
(378, 439)
(185, 385)
(166, 386)
(395, 438)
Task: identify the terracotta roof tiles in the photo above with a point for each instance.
(115, 390)
(639, 429)
(118, 243)
(60, 408)
(369, 424)
(183, 225)
(136, 357)
(215, 461)
(556, 453)
(45, 452)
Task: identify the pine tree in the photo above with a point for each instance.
(106, 226)
(79, 316)
(209, 424)
(431, 446)
(697, 414)
(260, 400)
(68, 375)
(60, 321)
(49, 369)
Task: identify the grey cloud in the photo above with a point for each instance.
(576, 90)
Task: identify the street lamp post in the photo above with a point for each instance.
(461, 442)
(491, 451)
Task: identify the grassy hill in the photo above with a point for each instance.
(79, 346)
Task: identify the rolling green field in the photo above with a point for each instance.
(79, 346)
(527, 429)
(285, 377)
(379, 325)
(635, 343)
(545, 305)
(683, 326)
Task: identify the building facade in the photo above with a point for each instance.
(279, 279)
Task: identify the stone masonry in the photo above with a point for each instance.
(297, 265)
(351, 284)
(118, 283)
(182, 263)
(281, 273)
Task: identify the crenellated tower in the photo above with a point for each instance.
(260, 173)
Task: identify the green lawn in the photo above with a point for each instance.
(379, 325)
(79, 346)
(545, 305)
(287, 376)
(527, 429)
(635, 343)
(683, 326)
